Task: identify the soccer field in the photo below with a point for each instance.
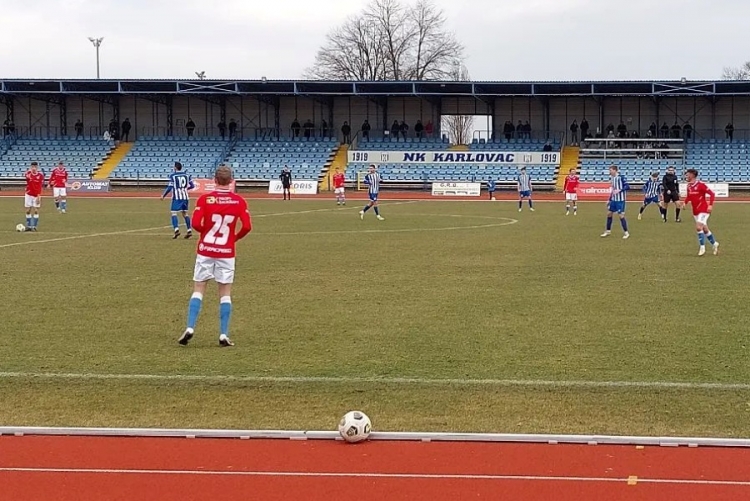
(457, 316)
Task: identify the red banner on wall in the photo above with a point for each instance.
(207, 186)
(593, 191)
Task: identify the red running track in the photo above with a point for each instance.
(35, 468)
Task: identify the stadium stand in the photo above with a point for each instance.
(454, 172)
(720, 160)
(264, 159)
(82, 157)
(636, 158)
(154, 157)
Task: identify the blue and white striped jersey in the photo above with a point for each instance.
(619, 187)
(652, 188)
(179, 184)
(372, 180)
(524, 182)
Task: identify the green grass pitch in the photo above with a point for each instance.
(447, 316)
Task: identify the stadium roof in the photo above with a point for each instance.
(375, 89)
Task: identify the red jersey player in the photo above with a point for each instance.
(33, 197)
(571, 192)
(215, 219)
(338, 187)
(58, 180)
(696, 195)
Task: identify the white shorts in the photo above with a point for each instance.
(702, 218)
(59, 192)
(214, 268)
(338, 191)
(571, 196)
(32, 202)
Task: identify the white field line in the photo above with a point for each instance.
(78, 237)
(414, 476)
(142, 230)
(405, 381)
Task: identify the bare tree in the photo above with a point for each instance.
(458, 127)
(737, 73)
(389, 41)
(436, 51)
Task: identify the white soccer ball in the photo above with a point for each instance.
(355, 426)
(20, 227)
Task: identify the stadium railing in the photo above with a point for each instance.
(496, 136)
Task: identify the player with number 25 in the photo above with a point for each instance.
(215, 218)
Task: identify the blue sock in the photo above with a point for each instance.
(624, 223)
(531, 204)
(57, 204)
(520, 203)
(35, 220)
(701, 238)
(225, 312)
(710, 237)
(28, 221)
(377, 210)
(187, 222)
(609, 223)
(367, 207)
(194, 309)
(64, 205)
(174, 222)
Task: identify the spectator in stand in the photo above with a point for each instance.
(114, 130)
(687, 131)
(429, 128)
(232, 129)
(346, 131)
(519, 130)
(395, 129)
(508, 130)
(190, 127)
(622, 130)
(7, 122)
(652, 129)
(574, 133)
(610, 128)
(295, 128)
(676, 130)
(366, 129)
(309, 126)
(404, 128)
(126, 126)
(547, 147)
(729, 129)
(584, 129)
(12, 129)
(418, 129)
(664, 130)
(78, 126)
(527, 130)
(324, 128)
(222, 125)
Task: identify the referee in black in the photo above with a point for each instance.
(286, 182)
(671, 193)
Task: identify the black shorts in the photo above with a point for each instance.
(286, 186)
(672, 197)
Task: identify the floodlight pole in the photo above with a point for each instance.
(97, 43)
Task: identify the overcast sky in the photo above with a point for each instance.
(248, 39)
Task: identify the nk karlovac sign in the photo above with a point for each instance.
(456, 157)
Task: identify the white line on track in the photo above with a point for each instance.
(415, 476)
(538, 383)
